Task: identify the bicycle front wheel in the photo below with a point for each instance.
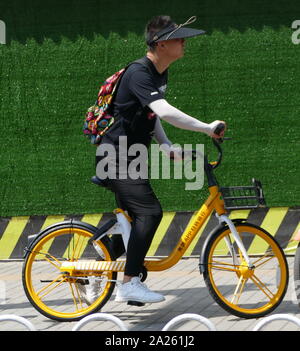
(55, 294)
(297, 273)
(243, 290)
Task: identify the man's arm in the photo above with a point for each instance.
(181, 120)
(160, 134)
(173, 151)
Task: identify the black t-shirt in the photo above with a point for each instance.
(140, 85)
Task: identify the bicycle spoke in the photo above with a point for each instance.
(46, 256)
(215, 264)
(262, 263)
(78, 294)
(74, 298)
(75, 241)
(49, 285)
(262, 287)
(239, 289)
(241, 255)
(80, 247)
(51, 262)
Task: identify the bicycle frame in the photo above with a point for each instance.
(213, 202)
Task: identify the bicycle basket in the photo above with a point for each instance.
(243, 197)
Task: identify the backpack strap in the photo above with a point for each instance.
(143, 61)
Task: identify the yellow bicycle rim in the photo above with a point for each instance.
(244, 275)
(40, 253)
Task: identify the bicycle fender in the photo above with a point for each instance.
(32, 239)
(219, 227)
(103, 229)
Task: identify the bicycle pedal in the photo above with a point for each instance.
(135, 303)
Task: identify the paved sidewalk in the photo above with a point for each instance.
(182, 285)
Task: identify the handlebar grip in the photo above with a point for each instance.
(219, 129)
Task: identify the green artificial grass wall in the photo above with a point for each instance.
(245, 71)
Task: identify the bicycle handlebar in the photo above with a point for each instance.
(217, 143)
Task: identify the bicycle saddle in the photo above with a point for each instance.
(98, 181)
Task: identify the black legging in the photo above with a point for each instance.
(138, 198)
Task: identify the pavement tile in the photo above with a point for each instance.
(182, 285)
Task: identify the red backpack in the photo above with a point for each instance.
(98, 118)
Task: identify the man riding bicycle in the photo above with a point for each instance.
(139, 106)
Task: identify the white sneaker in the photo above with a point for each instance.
(135, 290)
(90, 292)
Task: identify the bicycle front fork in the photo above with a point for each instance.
(235, 234)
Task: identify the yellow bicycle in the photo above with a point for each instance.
(243, 266)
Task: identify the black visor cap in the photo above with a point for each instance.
(175, 32)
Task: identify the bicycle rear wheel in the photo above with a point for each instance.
(55, 294)
(247, 292)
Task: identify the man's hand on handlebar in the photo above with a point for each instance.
(176, 153)
(218, 129)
